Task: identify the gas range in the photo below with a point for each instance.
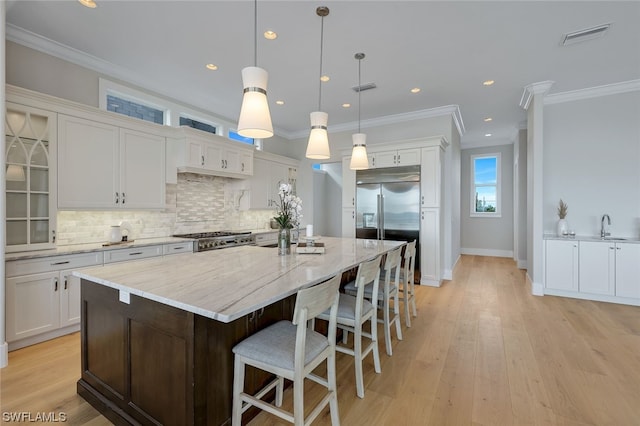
(219, 239)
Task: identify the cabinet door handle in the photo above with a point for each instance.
(202, 160)
(353, 215)
(394, 159)
(422, 199)
(123, 198)
(53, 235)
(242, 167)
(373, 161)
(65, 283)
(398, 158)
(353, 201)
(179, 248)
(226, 165)
(222, 164)
(252, 316)
(137, 253)
(422, 215)
(55, 284)
(261, 313)
(617, 248)
(60, 263)
(117, 198)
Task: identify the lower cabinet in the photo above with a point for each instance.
(42, 298)
(349, 222)
(597, 270)
(144, 362)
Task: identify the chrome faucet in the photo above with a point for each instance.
(602, 231)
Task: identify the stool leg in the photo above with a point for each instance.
(396, 316)
(374, 338)
(279, 391)
(298, 401)
(387, 325)
(238, 387)
(357, 353)
(406, 294)
(331, 379)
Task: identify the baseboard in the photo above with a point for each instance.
(4, 355)
(522, 264)
(28, 341)
(448, 273)
(430, 283)
(487, 252)
(537, 289)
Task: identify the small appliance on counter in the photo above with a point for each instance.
(117, 237)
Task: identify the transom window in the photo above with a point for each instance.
(485, 185)
(135, 110)
(237, 137)
(190, 122)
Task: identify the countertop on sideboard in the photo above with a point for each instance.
(593, 238)
(92, 247)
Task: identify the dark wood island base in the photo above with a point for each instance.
(147, 363)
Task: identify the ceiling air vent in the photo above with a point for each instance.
(363, 87)
(584, 35)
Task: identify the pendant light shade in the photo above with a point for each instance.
(318, 145)
(255, 118)
(15, 173)
(359, 158)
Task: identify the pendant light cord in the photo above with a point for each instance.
(359, 91)
(320, 76)
(255, 33)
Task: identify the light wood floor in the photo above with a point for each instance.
(482, 351)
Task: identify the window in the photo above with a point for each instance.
(184, 121)
(236, 137)
(135, 110)
(485, 185)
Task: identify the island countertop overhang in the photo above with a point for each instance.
(227, 284)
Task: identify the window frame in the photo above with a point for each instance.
(474, 185)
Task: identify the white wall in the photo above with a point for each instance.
(489, 236)
(592, 162)
(520, 203)
(333, 198)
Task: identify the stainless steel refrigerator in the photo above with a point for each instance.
(388, 204)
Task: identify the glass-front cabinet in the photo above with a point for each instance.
(30, 136)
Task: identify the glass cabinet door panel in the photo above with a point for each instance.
(16, 232)
(39, 180)
(16, 122)
(39, 231)
(39, 156)
(16, 151)
(16, 177)
(16, 205)
(39, 206)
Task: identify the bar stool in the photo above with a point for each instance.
(407, 291)
(292, 350)
(354, 312)
(386, 292)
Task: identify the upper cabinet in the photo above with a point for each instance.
(30, 136)
(269, 172)
(431, 177)
(106, 167)
(348, 184)
(205, 153)
(394, 158)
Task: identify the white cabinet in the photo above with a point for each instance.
(211, 154)
(430, 247)
(266, 238)
(30, 136)
(133, 253)
(431, 177)
(348, 184)
(597, 267)
(106, 167)
(42, 298)
(177, 248)
(561, 265)
(268, 174)
(628, 270)
(349, 222)
(395, 158)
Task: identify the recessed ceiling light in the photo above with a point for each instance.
(346, 105)
(488, 82)
(279, 102)
(487, 134)
(415, 90)
(270, 35)
(324, 78)
(88, 3)
(488, 119)
(212, 67)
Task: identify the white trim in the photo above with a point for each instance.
(487, 252)
(537, 289)
(597, 297)
(593, 92)
(534, 89)
(447, 274)
(522, 263)
(430, 283)
(498, 212)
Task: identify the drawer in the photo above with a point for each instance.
(16, 268)
(175, 248)
(266, 238)
(132, 253)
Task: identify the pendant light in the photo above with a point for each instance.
(318, 145)
(359, 159)
(255, 118)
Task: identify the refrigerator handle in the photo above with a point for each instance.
(382, 217)
(379, 215)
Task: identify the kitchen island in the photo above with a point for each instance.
(157, 334)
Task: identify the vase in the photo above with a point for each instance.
(562, 227)
(284, 241)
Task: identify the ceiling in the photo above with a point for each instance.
(446, 48)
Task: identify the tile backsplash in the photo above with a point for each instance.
(196, 203)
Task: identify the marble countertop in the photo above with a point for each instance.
(610, 239)
(86, 248)
(227, 284)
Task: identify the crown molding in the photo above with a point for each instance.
(453, 110)
(593, 92)
(532, 89)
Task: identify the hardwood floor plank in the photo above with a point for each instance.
(482, 351)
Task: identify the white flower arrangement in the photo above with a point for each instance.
(289, 210)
